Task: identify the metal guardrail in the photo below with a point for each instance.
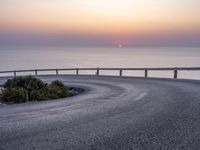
(146, 70)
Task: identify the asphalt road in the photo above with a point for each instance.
(112, 114)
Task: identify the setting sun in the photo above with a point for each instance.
(116, 19)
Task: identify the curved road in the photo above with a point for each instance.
(112, 114)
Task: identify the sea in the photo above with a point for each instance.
(46, 57)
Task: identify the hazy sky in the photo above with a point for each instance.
(100, 22)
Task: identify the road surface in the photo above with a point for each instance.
(114, 113)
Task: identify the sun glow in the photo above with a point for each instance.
(120, 46)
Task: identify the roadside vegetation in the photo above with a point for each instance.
(29, 88)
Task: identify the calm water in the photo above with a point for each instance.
(66, 57)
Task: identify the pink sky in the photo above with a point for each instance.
(100, 22)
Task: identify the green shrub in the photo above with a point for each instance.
(37, 95)
(29, 88)
(15, 94)
(29, 83)
(57, 90)
(57, 83)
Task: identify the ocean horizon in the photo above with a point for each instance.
(47, 57)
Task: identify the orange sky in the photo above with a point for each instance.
(117, 18)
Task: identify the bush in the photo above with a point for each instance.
(38, 95)
(57, 83)
(28, 83)
(29, 88)
(15, 94)
(58, 90)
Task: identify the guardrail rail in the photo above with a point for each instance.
(98, 70)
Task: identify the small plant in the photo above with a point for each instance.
(57, 89)
(29, 88)
(15, 94)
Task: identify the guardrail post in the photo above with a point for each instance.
(77, 72)
(175, 73)
(120, 72)
(15, 73)
(56, 71)
(146, 73)
(97, 73)
(35, 72)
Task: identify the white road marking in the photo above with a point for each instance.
(141, 96)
